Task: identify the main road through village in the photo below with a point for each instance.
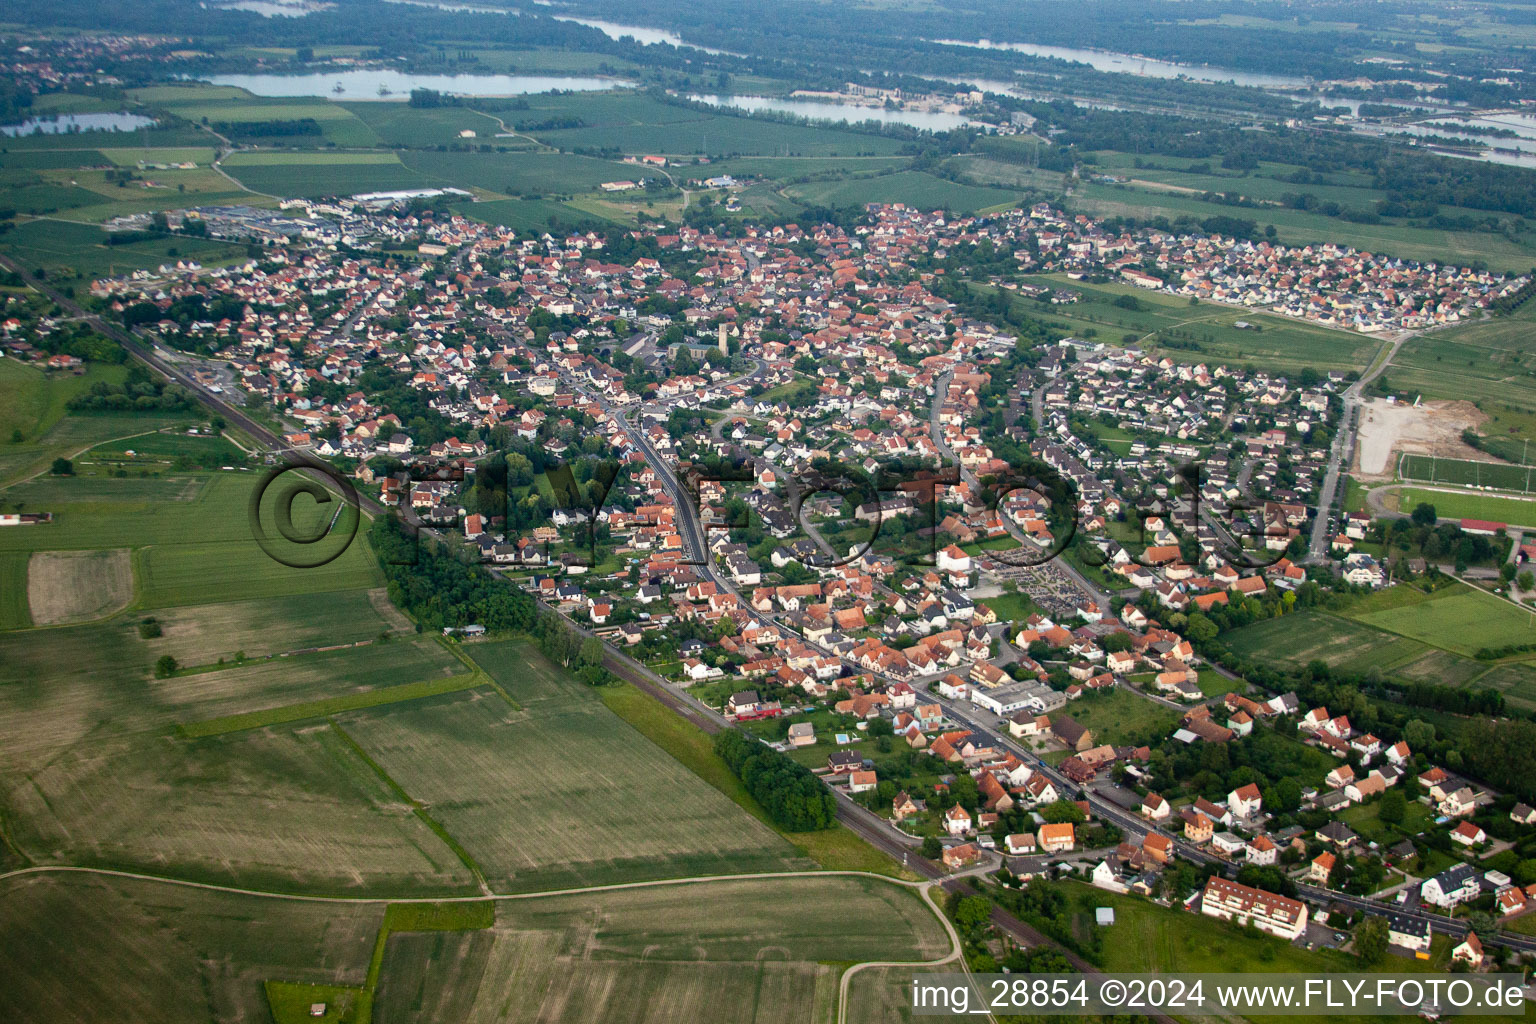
(869, 826)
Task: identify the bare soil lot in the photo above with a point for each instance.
(74, 586)
(1430, 428)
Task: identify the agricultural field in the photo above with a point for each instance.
(15, 612)
(199, 550)
(527, 214)
(69, 252)
(98, 950)
(498, 778)
(517, 173)
(915, 188)
(1296, 639)
(638, 124)
(323, 174)
(659, 954)
(1406, 634)
(74, 586)
(34, 427)
(1278, 343)
(93, 949)
(1467, 505)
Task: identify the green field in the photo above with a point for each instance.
(200, 551)
(1491, 364)
(517, 173)
(557, 791)
(1280, 344)
(915, 188)
(1296, 639)
(1119, 716)
(325, 174)
(1406, 634)
(1460, 619)
(14, 613)
(34, 403)
(636, 124)
(67, 251)
(526, 214)
(1468, 505)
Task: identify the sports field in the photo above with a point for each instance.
(1466, 473)
(557, 791)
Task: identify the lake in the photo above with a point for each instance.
(1125, 63)
(59, 124)
(271, 9)
(817, 110)
(365, 84)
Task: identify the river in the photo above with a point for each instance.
(1125, 63)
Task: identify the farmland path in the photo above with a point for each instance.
(954, 955)
(44, 869)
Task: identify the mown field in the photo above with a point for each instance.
(557, 791)
(1460, 619)
(1407, 635)
(1118, 716)
(658, 955)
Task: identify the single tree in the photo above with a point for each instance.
(1371, 940)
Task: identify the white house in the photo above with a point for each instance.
(1246, 801)
(1277, 915)
(1450, 887)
